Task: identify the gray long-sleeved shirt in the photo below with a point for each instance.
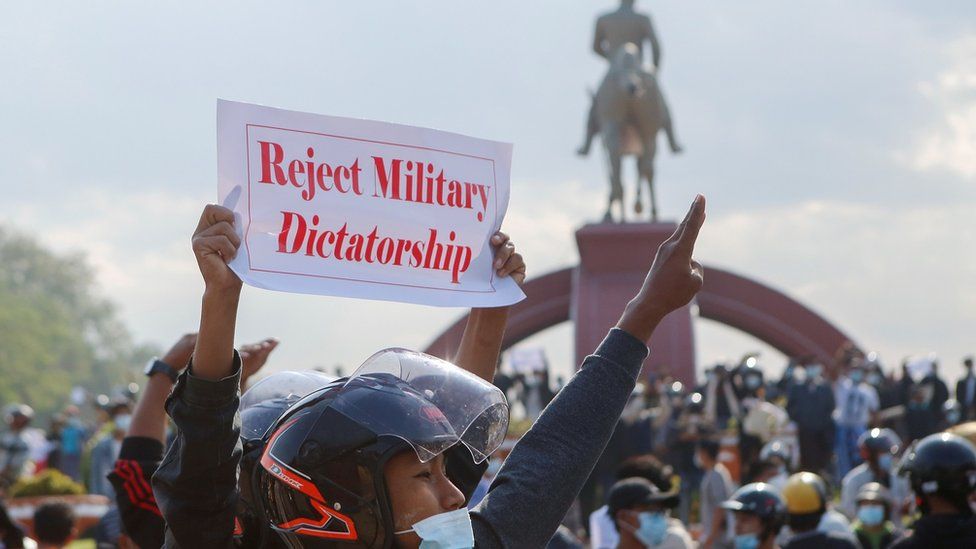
(196, 484)
(547, 468)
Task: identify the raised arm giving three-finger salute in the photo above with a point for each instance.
(546, 469)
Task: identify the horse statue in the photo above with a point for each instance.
(628, 111)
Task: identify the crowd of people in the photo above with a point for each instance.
(841, 431)
(414, 451)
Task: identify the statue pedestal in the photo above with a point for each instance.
(614, 259)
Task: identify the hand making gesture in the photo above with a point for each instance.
(672, 281)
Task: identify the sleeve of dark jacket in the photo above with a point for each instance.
(546, 469)
(196, 483)
(141, 519)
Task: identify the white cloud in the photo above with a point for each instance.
(951, 144)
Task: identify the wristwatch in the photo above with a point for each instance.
(156, 366)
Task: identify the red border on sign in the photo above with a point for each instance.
(247, 136)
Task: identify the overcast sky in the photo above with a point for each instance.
(835, 141)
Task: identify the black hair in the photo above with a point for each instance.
(710, 446)
(54, 523)
(647, 467)
(804, 522)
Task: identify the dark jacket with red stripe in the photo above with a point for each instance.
(196, 483)
(141, 519)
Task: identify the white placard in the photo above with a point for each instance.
(363, 209)
(526, 360)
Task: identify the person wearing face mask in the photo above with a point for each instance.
(810, 405)
(857, 407)
(603, 530)
(716, 487)
(879, 448)
(951, 413)
(779, 455)
(942, 472)
(759, 515)
(104, 454)
(641, 515)
(387, 457)
(873, 527)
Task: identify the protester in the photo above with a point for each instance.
(716, 488)
(810, 405)
(759, 515)
(874, 528)
(779, 455)
(14, 446)
(806, 500)
(857, 408)
(72, 442)
(54, 525)
(685, 428)
(966, 391)
(603, 529)
(722, 401)
(942, 471)
(951, 414)
(641, 514)
(142, 448)
(103, 457)
(878, 448)
(531, 494)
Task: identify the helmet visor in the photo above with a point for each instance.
(267, 399)
(441, 404)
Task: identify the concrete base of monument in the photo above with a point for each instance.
(614, 259)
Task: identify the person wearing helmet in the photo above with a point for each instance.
(942, 471)
(759, 515)
(806, 500)
(14, 447)
(780, 455)
(385, 458)
(641, 515)
(873, 527)
(879, 449)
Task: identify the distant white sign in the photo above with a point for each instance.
(356, 208)
(526, 360)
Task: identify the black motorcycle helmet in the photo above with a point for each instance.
(763, 501)
(317, 473)
(876, 442)
(943, 465)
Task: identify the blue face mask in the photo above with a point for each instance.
(813, 372)
(746, 541)
(885, 461)
(451, 530)
(857, 376)
(653, 528)
(871, 515)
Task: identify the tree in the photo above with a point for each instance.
(56, 331)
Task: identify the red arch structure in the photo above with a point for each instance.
(736, 301)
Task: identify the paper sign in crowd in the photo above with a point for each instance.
(356, 208)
